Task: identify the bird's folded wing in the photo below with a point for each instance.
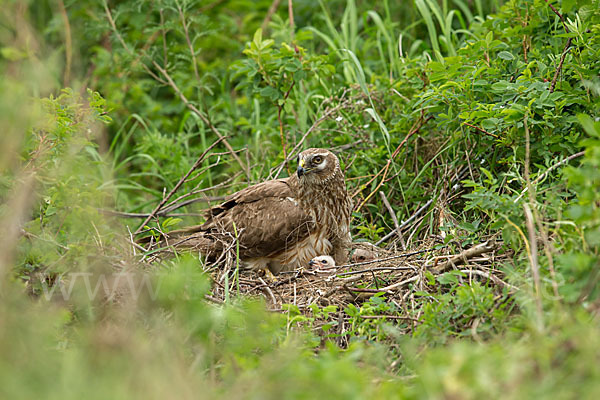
(264, 227)
(265, 218)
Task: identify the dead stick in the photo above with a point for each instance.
(388, 316)
(404, 223)
(375, 270)
(394, 219)
(269, 291)
(491, 277)
(178, 185)
(461, 258)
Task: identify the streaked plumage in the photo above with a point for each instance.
(280, 224)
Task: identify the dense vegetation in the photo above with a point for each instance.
(490, 109)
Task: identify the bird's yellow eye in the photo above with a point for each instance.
(317, 159)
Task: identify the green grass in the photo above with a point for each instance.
(478, 73)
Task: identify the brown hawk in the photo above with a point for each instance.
(280, 224)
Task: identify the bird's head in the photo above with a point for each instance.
(322, 263)
(317, 165)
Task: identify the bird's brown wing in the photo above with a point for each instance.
(279, 188)
(265, 216)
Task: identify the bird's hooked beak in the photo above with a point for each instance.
(301, 171)
(311, 263)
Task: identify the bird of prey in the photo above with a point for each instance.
(280, 224)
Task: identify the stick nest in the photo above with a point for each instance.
(397, 275)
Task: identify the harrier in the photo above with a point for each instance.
(280, 224)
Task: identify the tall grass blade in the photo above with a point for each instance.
(424, 10)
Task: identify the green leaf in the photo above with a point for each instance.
(169, 222)
(505, 55)
(591, 128)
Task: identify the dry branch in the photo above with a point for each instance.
(405, 223)
(462, 258)
(178, 185)
(387, 205)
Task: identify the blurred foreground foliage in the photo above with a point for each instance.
(507, 92)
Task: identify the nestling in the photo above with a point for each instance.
(322, 263)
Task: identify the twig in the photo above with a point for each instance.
(125, 46)
(269, 15)
(68, 43)
(291, 17)
(533, 258)
(394, 219)
(269, 291)
(552, 168)
(559, 15)
(32, 235)
(213, 299)
(169, 81)
(363, 290)
(204, 119)
(292, 153)
(340, 328)
(527, 158)
(161, 213)
(164, 37)
(188, 41)
(376, 269)
(19, 204)
(560, 64)
(281, 134)
(404, 223)
(491, 277)
(178, 185)
(533, 255)
(481, 130)
(134, 245)
(477, 250)
(385, 259)
(388, 317)
(207, 199)
(394, 286)
(178, 203)
(416, 127)
(565, 50)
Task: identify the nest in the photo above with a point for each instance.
(395, 275)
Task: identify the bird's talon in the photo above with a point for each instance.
(269, 277)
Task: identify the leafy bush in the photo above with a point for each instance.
(486, 114)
